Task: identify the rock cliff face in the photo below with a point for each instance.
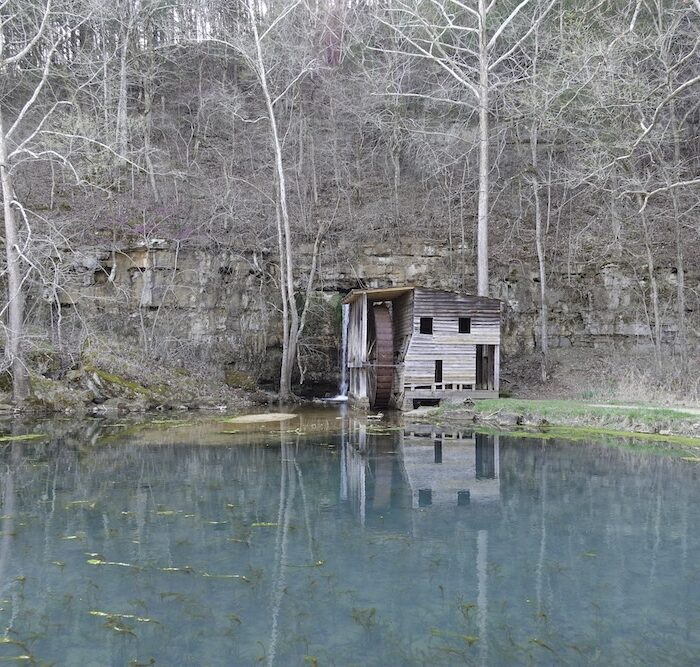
(222, 303)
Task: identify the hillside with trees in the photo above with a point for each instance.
(149, 149)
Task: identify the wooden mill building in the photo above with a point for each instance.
(412, 345)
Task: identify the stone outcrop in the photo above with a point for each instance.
(222, 302)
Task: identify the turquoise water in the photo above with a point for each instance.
(323, 543)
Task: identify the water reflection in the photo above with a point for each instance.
(337, 541)
(417, 466)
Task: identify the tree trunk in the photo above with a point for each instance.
(482, 229)
(539, 246)
(289, 352)
(15, 303)
(682, 337)
(121, 133)
(655, 331)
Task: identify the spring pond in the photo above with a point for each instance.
(326, 540)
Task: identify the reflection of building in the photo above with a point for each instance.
(386, 476)
(450, 467)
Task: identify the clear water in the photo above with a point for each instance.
(321, 543)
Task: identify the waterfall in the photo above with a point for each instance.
(343, 389)
(343, 386)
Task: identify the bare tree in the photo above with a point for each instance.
(467, 41)
(29, 38)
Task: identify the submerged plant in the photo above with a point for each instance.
(364, 617)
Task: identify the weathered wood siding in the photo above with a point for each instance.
(403, 318)
(403, 330)
(457, 351)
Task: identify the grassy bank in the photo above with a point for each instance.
(579, 418)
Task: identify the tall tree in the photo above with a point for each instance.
(479, 45)
(30, 34)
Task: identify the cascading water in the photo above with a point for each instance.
(344, 352)
(343, 387)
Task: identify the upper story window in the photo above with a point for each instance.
(465, 325)
(426, 325)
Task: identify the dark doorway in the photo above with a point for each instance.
(438, 371)
(485, 355)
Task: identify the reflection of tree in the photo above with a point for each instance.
(287, 492)
(290, 476)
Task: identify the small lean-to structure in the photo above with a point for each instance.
(413, 345)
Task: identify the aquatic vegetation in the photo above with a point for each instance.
(20, 438)
(89, 504)
(364, 617)
(112, 615)
(119, 626)
(470, 640)
(542, 644)
(351, 572)
(318, 563)
(226, 576)
(466, 608)
(186, 569)
(17, 658)
(97, 559)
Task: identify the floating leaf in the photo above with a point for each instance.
(28, 436)
(101, 561)
(317, 563)
(539, 642)
(470, 640)
(186, 569)
(226, 576)
(118, 626)
(90, 504)
(107, 614)
(17, 658)
(364, 617)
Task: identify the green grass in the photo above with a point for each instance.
(580, 420)
(553, 409)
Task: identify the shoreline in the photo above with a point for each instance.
(571, 419)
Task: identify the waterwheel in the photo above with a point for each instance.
(380, 355)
